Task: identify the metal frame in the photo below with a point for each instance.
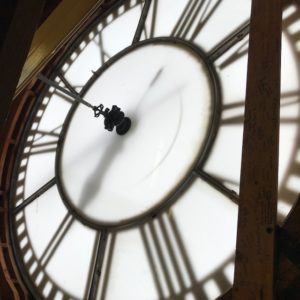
(15, 244)
(194, 173)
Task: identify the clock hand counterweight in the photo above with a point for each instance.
(112, 117)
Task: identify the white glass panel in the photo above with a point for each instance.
(206, 221)
(130, 275)
(168, 12)
(57, 107)
(211, 289)
(227, 17)
(225, 158)
(179, 253)
(233, 73)
(44, 137)
(88, 61)
(204, 22)
(43, 165)
(186, 252)
(70, 264)
(43, 217)
(123, 28)
(289, 114)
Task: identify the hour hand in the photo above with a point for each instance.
(65, 91)
(113, 117)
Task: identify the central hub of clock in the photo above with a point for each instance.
(167, 90)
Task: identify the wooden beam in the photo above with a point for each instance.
(255, 248)
(288, 274)
(68, 16)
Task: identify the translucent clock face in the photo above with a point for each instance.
(152, 214)
(110, 179)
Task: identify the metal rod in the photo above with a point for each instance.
(141, 24)
(65, 91)
(238, 35)
(232, 195)
(35, 195)
(98, 265)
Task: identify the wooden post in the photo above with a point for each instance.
(255, 249)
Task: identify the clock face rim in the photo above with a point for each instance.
(187, 178)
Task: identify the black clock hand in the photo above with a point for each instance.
(152, 82)
(166, 95)
(65, 91)
(112, 117)
(158, 74)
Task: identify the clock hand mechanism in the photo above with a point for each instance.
(113, 117)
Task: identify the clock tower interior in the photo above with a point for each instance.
(150, 149)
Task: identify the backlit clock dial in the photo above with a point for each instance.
(151, 214)
(112, 180)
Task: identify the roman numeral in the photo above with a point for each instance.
(33, 264)
(232, 39)
(287, 100)
(37, 266)
(233, 113)
(35, 195)
(42, 148)
(43, 142)
(237, 54)
(149, 33)
(291, 19)
(104, 56)
(105, 275)
(194, 17)
(50, 249)
(101, 243)
(168, 259)
(141, 25)
(56, 239)
(218, 185)
(67, 85)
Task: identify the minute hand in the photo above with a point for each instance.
(65, 91)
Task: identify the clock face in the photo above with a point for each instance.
(151, 214)
(170, 131)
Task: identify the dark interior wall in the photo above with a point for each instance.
(7, 8)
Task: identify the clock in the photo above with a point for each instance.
(152, 213)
